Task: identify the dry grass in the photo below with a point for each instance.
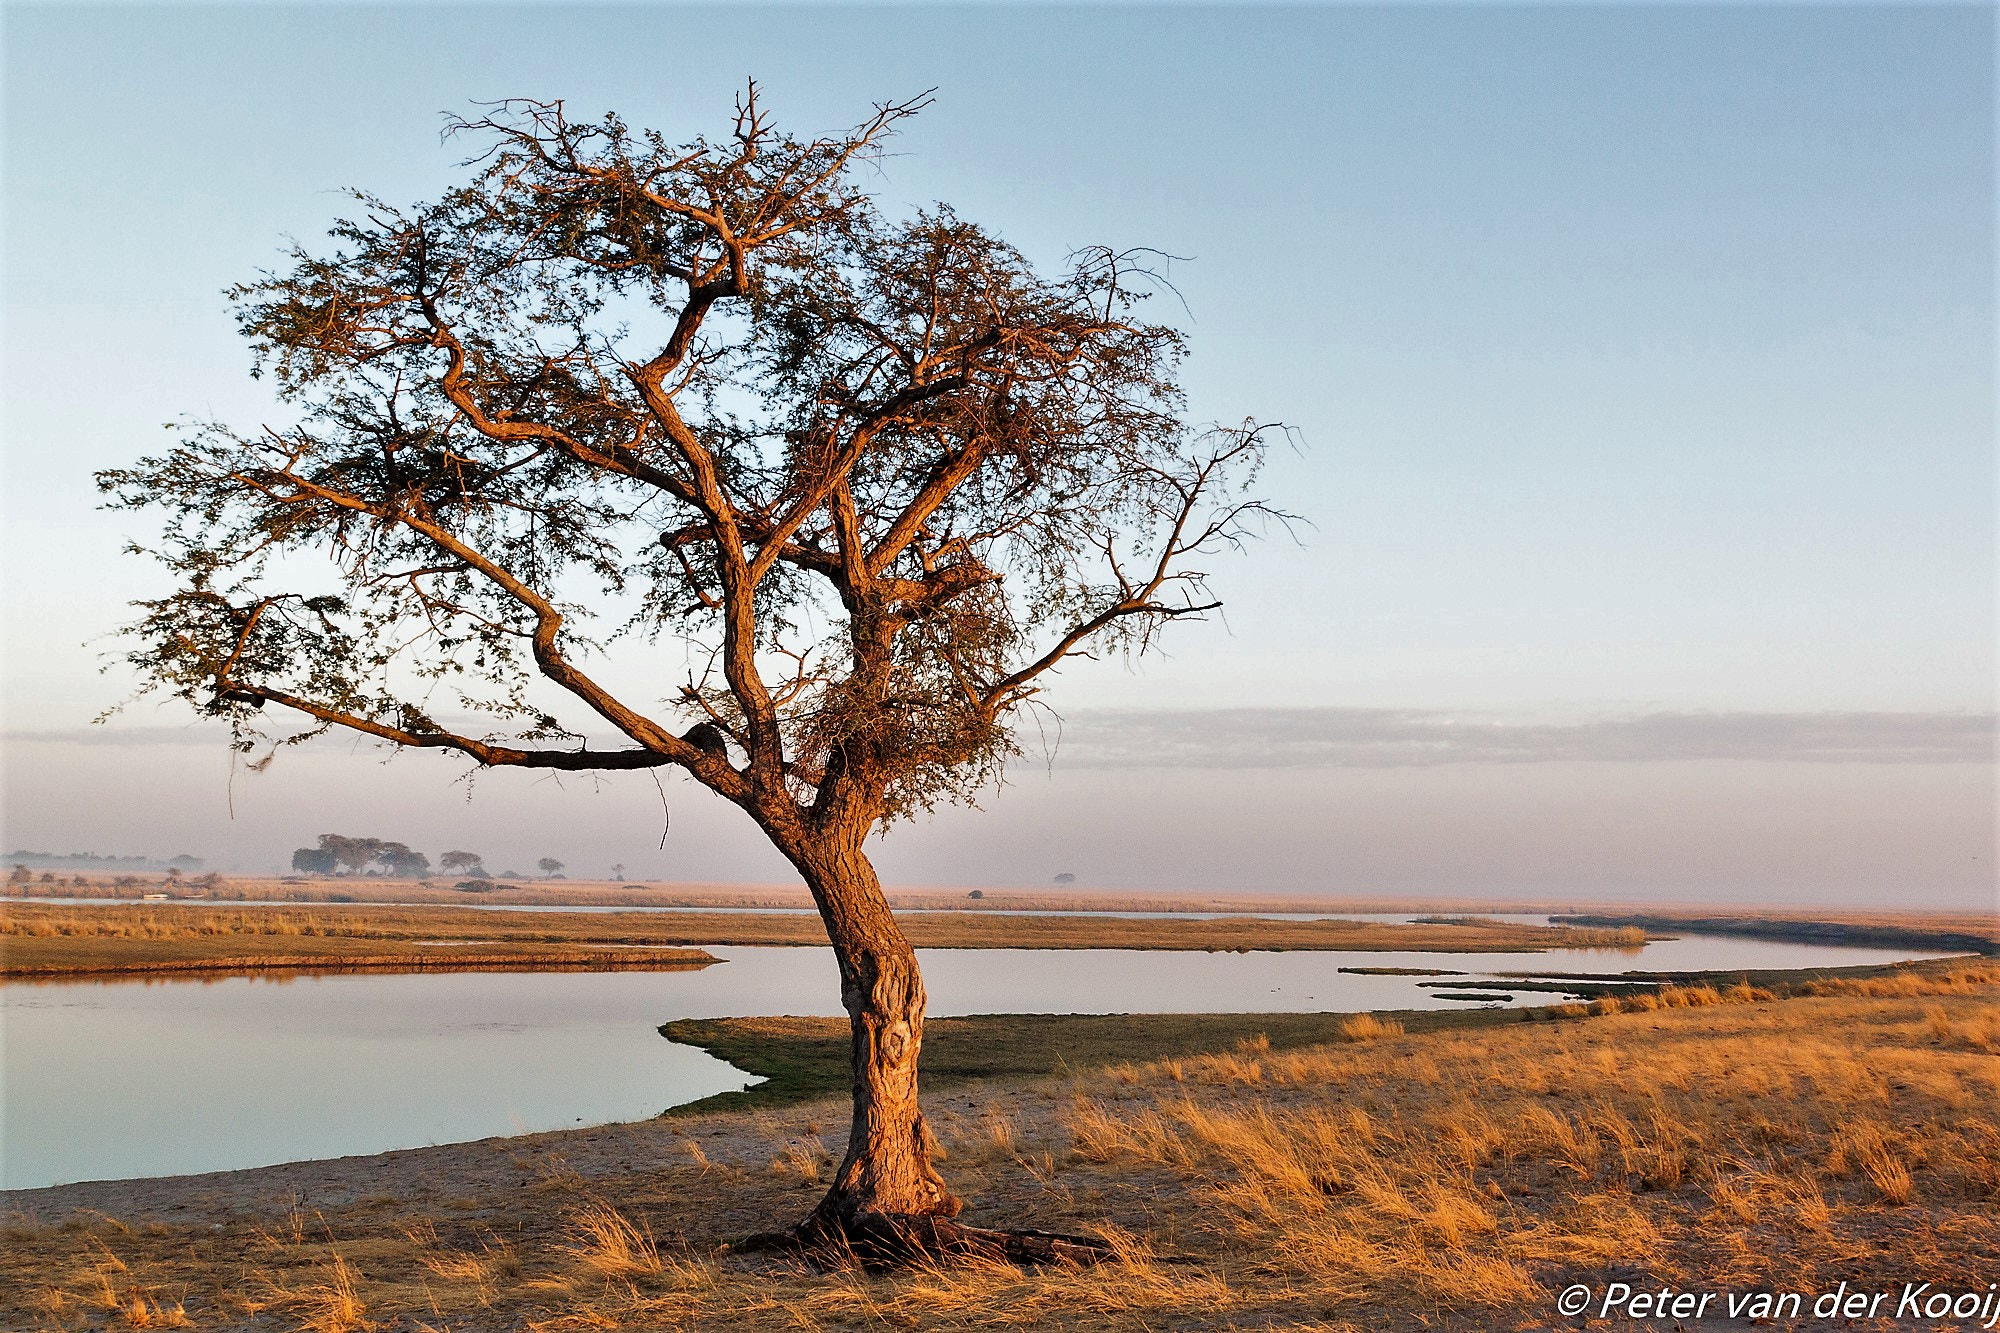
(1970, 978)
(329, 1302)
(55, 940)
(37, 922)
(1386, 1181)
(609, 1245)
(52, 942)
(1367, 1027)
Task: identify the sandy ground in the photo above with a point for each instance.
(481, 1181)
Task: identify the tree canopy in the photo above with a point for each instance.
(337, 851)
(878, 474)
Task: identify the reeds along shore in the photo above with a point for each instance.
(1454, 1178)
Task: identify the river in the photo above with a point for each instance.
(120, 1078)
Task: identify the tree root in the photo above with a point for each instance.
(881, 1241)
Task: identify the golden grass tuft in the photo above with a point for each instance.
(332, 1304)
(1367, 1027)
(607, 1243)
(806, 1161)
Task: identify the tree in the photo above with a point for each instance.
(455, 863)
(548, 865)
(314, 861)
(877, 476)
(353, 854)
(396, 859)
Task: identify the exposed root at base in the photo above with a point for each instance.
(880, 1241)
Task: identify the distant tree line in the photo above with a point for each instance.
(92, 861)
(338, 854)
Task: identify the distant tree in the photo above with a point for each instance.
(185, 862)
(618, 874)
(459, 863)
(19, 876)
(881, 474)
(398, 860)
(548, 865)
(352, 854)
(1065, 878)
(314, 861)
(977, 893)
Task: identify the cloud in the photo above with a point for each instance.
(1288, 738)
(1267, 738)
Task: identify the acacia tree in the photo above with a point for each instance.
(878, 474)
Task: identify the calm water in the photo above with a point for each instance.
(111, 1079)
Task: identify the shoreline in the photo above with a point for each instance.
(678, 960)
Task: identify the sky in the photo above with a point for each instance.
(1641, 361)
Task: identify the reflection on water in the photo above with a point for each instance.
(144, 1076)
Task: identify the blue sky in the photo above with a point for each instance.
(1642, 358)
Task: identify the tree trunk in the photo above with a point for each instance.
(887, 1204)
(887, 1176)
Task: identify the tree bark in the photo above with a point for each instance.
(888, 1205)
(887, 1177)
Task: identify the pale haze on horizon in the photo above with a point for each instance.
(1641, 363)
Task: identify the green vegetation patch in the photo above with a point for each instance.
(807, 1058)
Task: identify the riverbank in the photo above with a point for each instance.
(50, 940)
(1457, 1177)
(801, 1059)
(46, 942)
(1965, 932)
(791, 896)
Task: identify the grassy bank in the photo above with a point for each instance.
(48, 940)
(50, 943)
(1452, 1178)
(517, 892)
(1954, 932)
(805, 1058)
